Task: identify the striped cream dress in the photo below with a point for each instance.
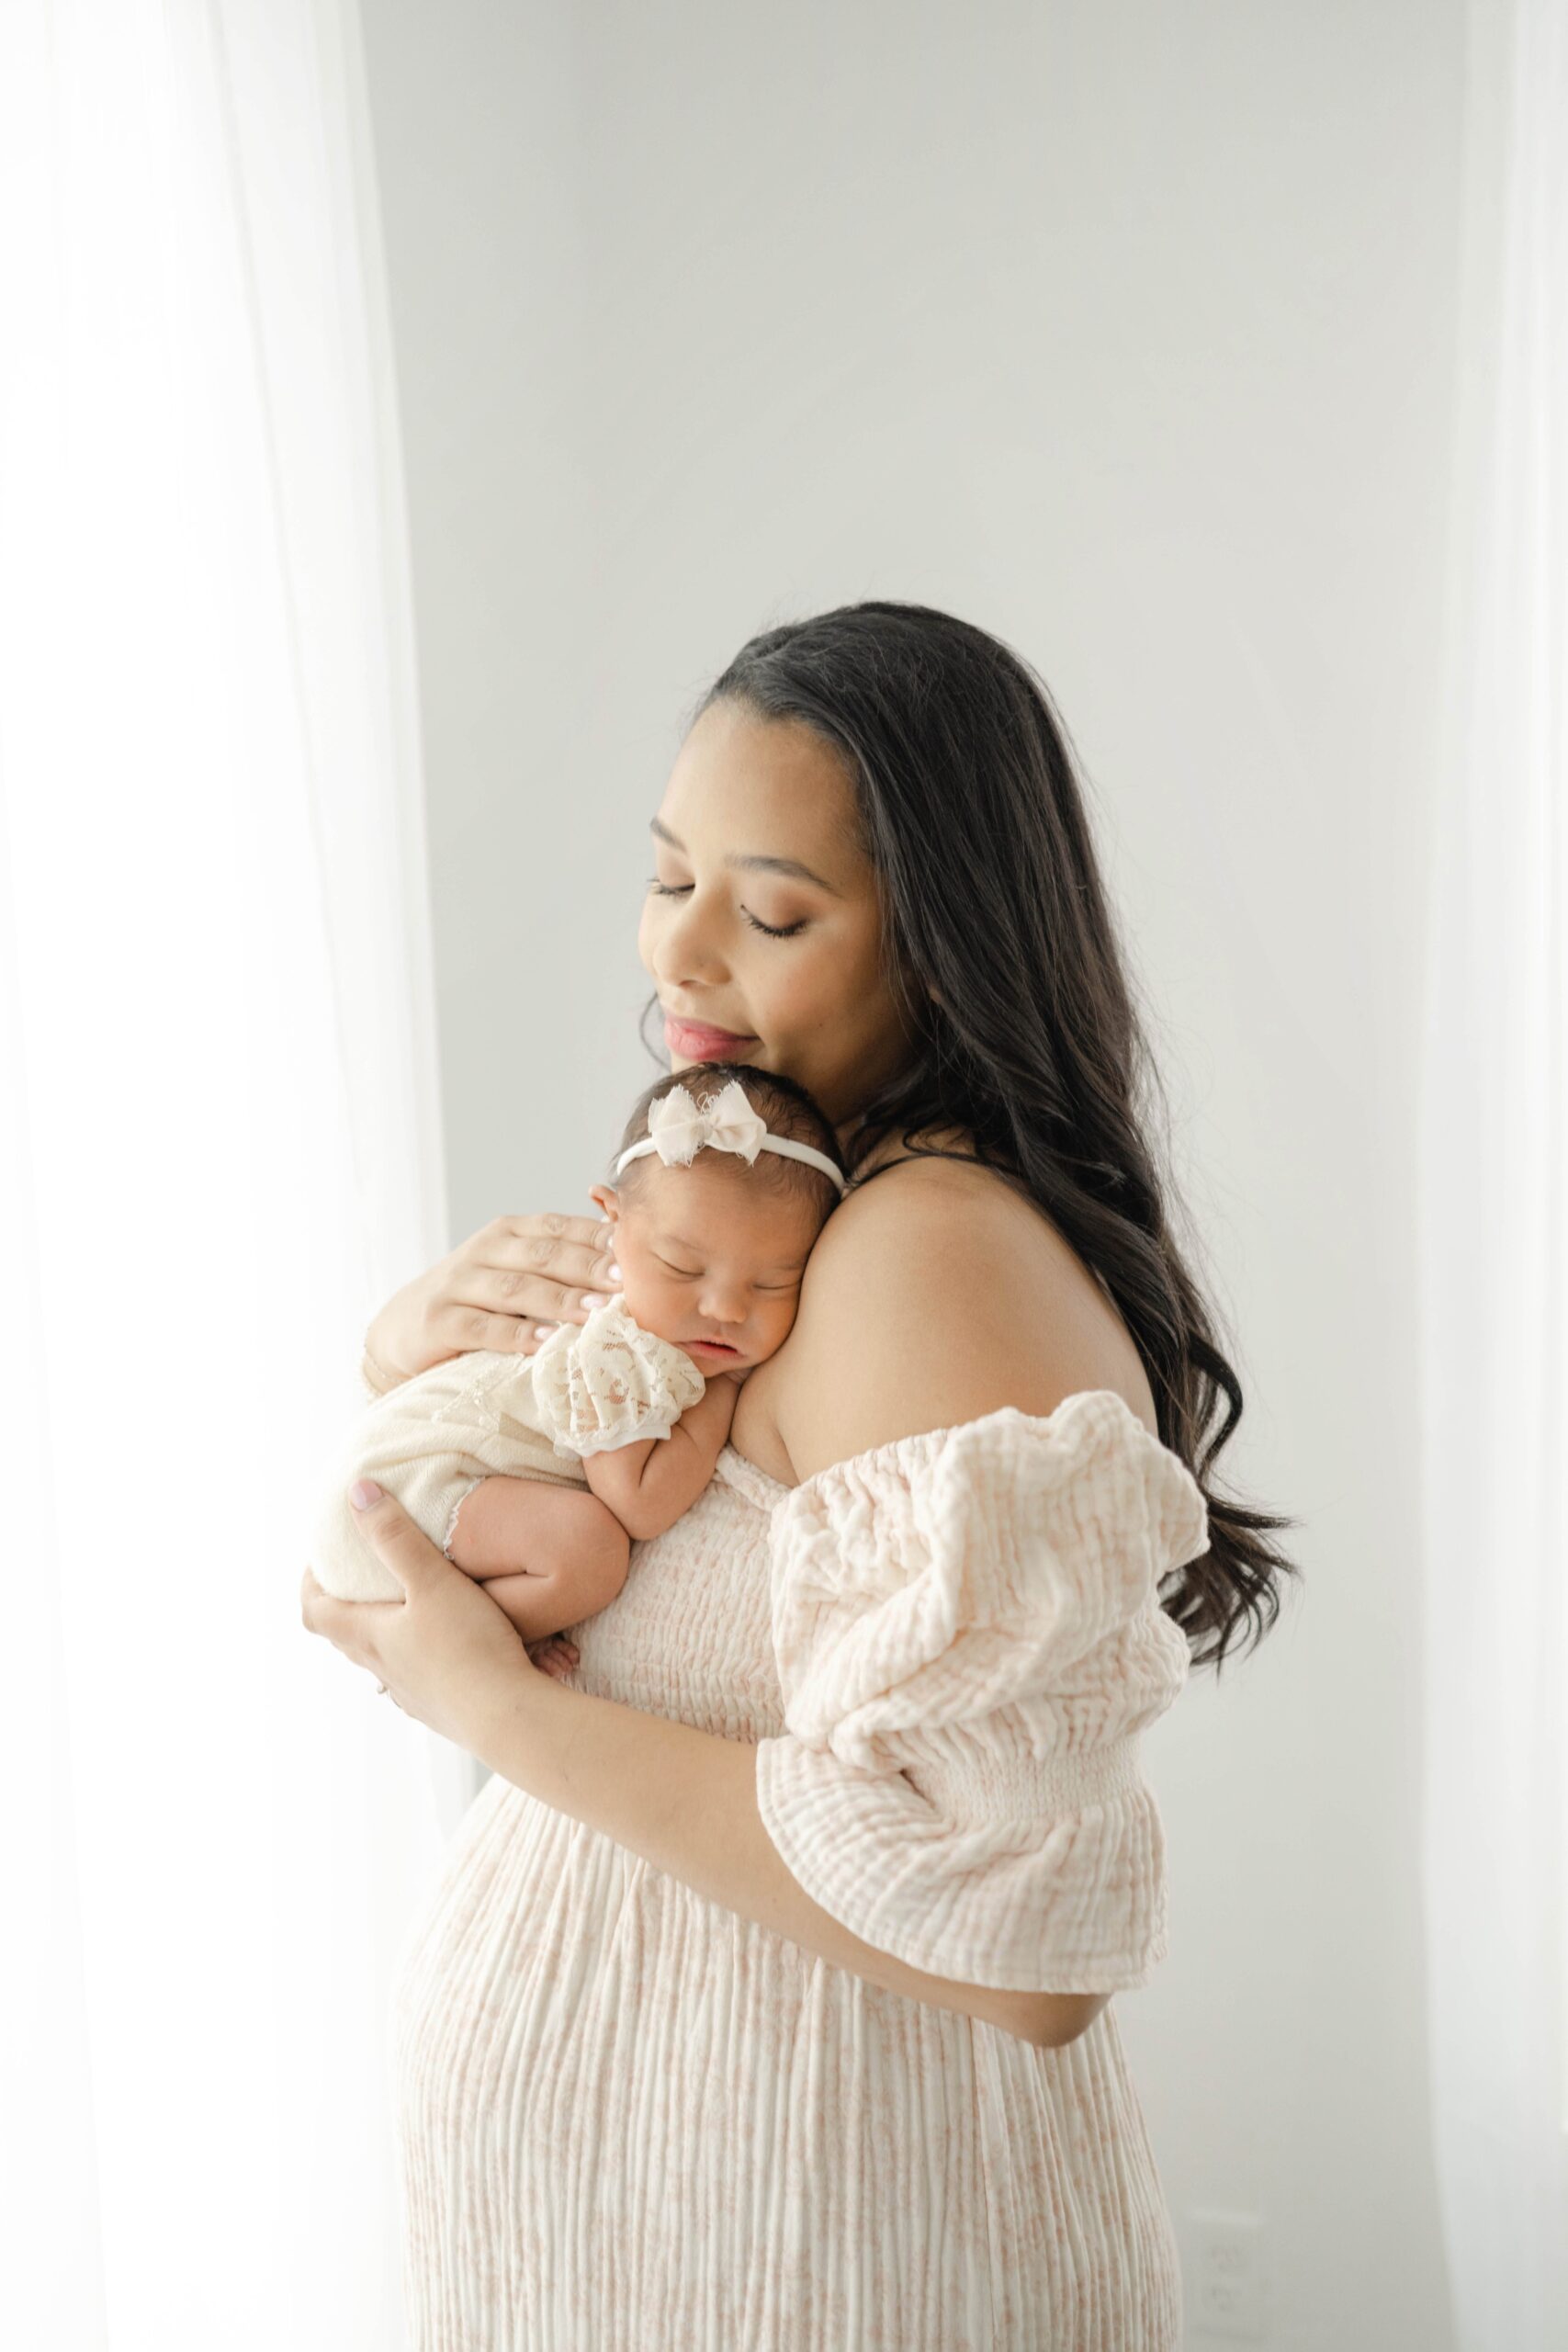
(628, 2118)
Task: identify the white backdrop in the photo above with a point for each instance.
(1494, 1201)
(219, 1148)
(1135, 335)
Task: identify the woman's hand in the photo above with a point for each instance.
(506, 1287)
(447, 1653)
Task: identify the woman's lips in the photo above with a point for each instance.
(688, 1037)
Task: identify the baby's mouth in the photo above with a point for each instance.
(719, 1347)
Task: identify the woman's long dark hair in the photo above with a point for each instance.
(973, 818)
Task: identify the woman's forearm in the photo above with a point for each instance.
(377, 1379)
(686, 1801)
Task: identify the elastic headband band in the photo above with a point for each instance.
(786, 1145)
(679, 1126)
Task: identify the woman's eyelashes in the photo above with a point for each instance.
(774, 930)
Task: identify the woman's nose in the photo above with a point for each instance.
(682, 951)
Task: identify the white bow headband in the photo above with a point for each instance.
(679, 1126)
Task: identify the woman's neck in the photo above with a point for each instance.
(891, 1147)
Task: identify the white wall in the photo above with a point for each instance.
(1127, 332)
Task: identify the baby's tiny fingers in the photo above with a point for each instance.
(550, 1655)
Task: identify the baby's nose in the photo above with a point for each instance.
(728, 1305)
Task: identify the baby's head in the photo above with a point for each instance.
(714, 1250)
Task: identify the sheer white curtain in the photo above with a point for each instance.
(218, 1149)
(1493, 1233)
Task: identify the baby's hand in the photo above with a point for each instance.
(556, 1654)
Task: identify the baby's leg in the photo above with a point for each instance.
(548, 1556)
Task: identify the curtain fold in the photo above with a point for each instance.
(1493, 1223)
(220, 1150)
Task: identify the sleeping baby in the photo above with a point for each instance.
(534, 1472)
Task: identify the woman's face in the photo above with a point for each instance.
(743, 793)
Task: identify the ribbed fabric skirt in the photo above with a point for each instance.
(629, 2119)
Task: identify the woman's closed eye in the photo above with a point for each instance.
(774, 930)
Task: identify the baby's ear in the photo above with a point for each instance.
(605, 1201)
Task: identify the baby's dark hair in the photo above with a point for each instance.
(783, 1106)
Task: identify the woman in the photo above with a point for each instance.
(764, 2001)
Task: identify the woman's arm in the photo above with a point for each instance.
(686, 1801)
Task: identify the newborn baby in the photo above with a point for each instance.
(534, 1472)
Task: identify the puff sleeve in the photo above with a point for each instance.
(969, 1644)
(606, 1383)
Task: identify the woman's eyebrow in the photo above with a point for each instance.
(791, 865)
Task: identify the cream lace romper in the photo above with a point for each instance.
(592, 1387)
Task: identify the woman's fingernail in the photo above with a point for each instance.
(589, 1299)
(612, 1272)
(540, 1329)
(363, 1493)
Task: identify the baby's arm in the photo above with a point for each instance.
(649, 1484)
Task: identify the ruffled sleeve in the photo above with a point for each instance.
(969, 1644)
(607, 1382)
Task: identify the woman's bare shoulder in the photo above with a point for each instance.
(936, 1293)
